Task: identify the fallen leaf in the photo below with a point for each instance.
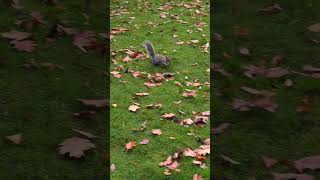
(156, 132)
(37, 17)
(309, 68)
(197, 177)
(314, 28)
(24, 46)
(112, 167)
(191, 93)
(142, 94)
(133, 108)
(168, 161)
(217, 37)
(244, 51)
(221, 128)
(16, 35)
(288, 83)
(269, 162)
(312, 163)
(189, 152)
(168, 115)
(130, 145)
(16, 138)
(146, 141)
(75, 146)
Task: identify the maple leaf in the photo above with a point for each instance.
(289, 176)
(136, 74)
(189, 152)
(16, 35)
(16, 138)
(126, 59)
(98, 103)
(75, 146)
(312, 163)
(168, 115)
(25, 46)
(156, 132)
(133, 108)
(130, 145)
(173, 165)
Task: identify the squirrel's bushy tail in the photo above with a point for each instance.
(150, 49)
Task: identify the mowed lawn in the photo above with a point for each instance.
(39, 103)
(286, 134)
(178, 30)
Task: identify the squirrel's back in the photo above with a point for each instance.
(150, 49)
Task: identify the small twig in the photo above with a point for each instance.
(302, 74)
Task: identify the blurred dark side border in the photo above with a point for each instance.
(212, 154)
(107, 81)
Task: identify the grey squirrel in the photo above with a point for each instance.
(156, 59)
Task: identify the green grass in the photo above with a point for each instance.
(50, 96)
(285, 134)
(142, 162)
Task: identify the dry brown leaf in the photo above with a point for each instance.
(75, 146)
(221, 128)
(156, 132)
(16, 35)
(24, 46)
(197, 177)
(312, 163)
(133, 108)
(244, 51)
(191, 93)
(314, 28)
(168, 115)
(145, 141)
(130, 145)
(16, 138)
(112, 167)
